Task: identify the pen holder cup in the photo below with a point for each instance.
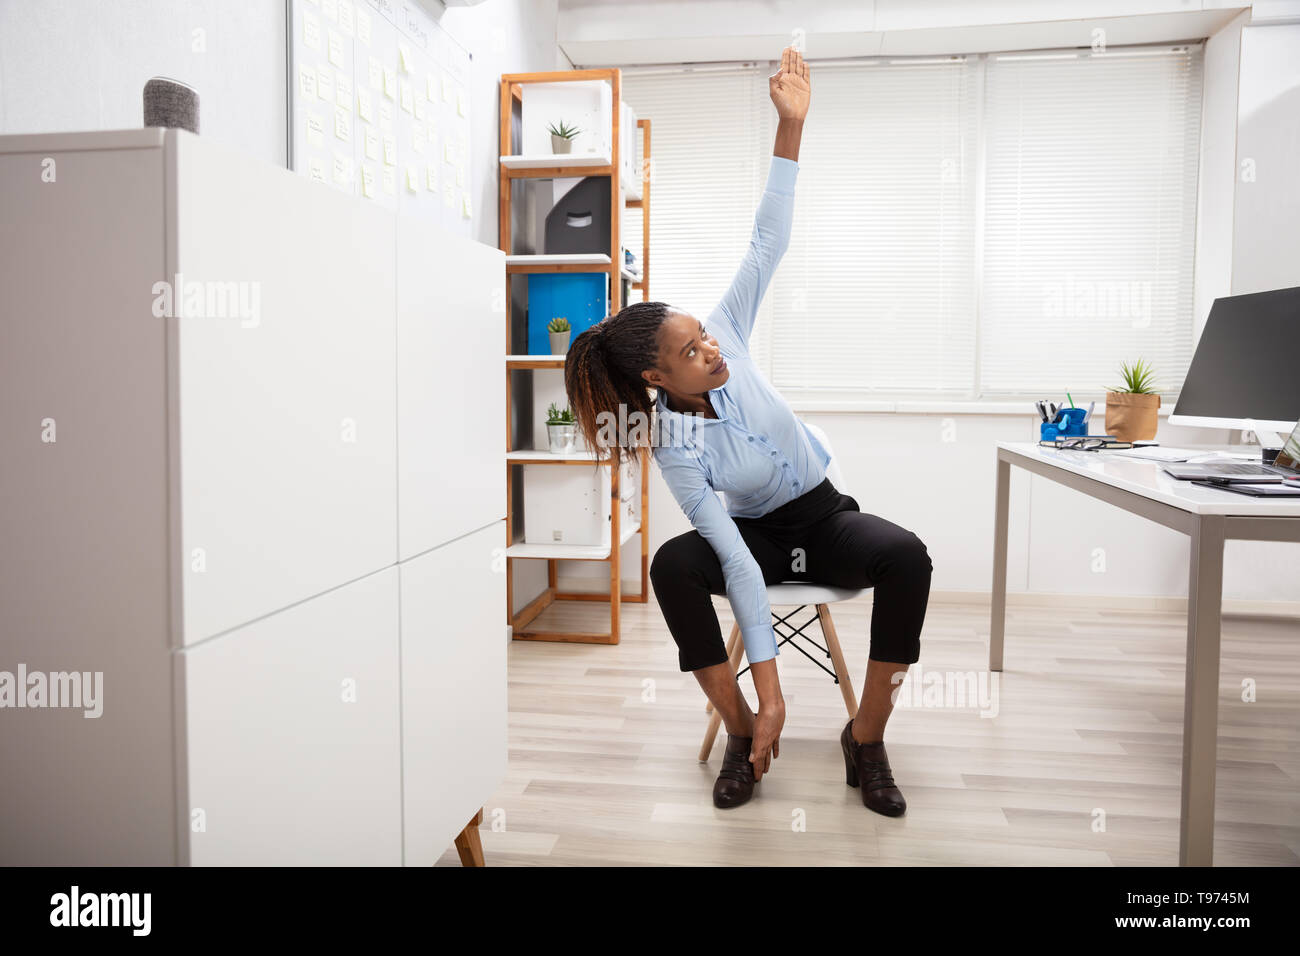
(1069, 425)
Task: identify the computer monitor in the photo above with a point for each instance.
(1246, 370)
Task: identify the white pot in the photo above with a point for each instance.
(560, 341)
(562, 438)
(561, 145)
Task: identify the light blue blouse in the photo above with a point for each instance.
(757, 452)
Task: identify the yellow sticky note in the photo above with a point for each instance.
(325, 83)
(460, 102)
(417, 138)
(363, 106)
(431, 177)
(346, 19)
(404, 56)
(336, 48)
(390, 149)
(412, 179)
(363, 26)
(449, 196)
(372, 144)
(315, 129)
(449, 151)
(343, 124)
(419, 108)
(316, 169)
(407, 99)
(431, 90)
(389, 179)
(307, 82)
(367, 182)
(310, 31)
(390, 83)
(343, 90)
(460, 174)
(465, 205)
(331, 8)
(376, 73)
(342, 169)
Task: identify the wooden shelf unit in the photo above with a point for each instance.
(514, 166)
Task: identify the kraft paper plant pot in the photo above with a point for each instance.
(1131, 416)
(561, 438)
(560, 144)
(560, 341)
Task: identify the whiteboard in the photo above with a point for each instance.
(379, 107)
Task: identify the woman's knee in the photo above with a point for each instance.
(908, 554)
(675, 559)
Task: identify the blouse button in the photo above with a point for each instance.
(750, 438)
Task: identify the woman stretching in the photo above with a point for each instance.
(718, 425)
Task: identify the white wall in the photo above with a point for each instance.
(69, 65)
(1266, 213)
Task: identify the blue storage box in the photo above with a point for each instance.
(581, 297)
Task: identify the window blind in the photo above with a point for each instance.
(994, 226)
(708, 164)
(1089, 218)
(875, 294)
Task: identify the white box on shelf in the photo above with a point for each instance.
(564, 504)
(586, 104)
(628, 153)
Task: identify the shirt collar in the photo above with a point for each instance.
(716, 399)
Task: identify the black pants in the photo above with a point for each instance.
(841, 546)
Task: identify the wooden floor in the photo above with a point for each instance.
(1080, 766)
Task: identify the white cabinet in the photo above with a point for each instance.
(453, 687)
(287, 410)
(226, 395)
(451, 408)
(293, 730)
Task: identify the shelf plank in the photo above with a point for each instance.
(570, 552)
(555, 160)
(535, 361)
(540, 456)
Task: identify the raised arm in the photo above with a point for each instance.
(746, 589)
(790, 92)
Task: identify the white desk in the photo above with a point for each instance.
(1209, 516)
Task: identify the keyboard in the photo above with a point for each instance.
(1235, 469)
(1155, 453)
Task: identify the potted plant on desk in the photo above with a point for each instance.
(562, 137)
(559, 330)
(561, 429)
(1131, 408)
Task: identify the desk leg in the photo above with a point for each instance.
(1201, 693)
(998, 615)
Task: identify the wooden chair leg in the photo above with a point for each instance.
(731, 646)
(837, 658)
(468, 844)
(735, 652)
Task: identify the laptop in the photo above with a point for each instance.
(1227, 472)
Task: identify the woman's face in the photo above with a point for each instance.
(690, 362)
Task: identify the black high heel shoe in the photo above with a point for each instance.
(869, 765)
(735, 783)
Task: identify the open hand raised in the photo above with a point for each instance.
(789, 86)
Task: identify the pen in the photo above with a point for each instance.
(1071, 398)
(1091, 405)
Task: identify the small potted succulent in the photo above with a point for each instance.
(559, 330)
(1131, 408)
(562, 137)
(561, 430)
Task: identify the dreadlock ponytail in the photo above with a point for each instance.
(602, 376)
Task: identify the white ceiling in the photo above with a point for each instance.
(623, 33)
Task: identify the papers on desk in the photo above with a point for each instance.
(1154, 453)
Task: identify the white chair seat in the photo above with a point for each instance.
(803, 592)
